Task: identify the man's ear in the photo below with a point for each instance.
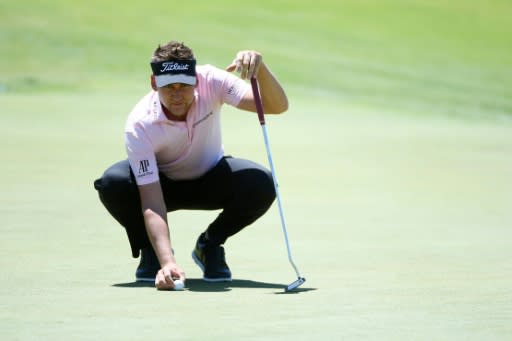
(153, 83)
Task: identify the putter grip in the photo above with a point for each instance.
(257, 100)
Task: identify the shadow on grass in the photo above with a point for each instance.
(198, 285)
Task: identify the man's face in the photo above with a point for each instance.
(177, 98)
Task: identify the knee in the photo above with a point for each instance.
(115, 181)
(262, 187)
(268, 184)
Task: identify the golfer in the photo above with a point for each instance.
(176, 161)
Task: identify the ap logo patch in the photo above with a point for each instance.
(144, 168)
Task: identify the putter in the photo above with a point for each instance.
(259, 108)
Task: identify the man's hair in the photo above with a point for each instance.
(172, 50)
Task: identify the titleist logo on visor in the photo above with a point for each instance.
(187, 67)
(173, 66)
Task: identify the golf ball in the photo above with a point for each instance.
(178, 284)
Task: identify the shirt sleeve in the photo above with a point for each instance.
(230, 88)
(141, 156)
(234, 90)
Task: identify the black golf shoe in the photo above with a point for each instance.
(212, 261)
(148, 266)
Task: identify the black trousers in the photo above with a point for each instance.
(244, 191)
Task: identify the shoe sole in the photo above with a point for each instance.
(207, 279)
(144, 279)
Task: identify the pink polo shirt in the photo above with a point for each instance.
(181, 150)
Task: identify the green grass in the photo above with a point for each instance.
(451, 57)
(401, 226)
(394, 166)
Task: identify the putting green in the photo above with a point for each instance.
(399, 224)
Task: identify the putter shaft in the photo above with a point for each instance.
(261, 117)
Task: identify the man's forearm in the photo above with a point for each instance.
(158, 233)
(273, 95)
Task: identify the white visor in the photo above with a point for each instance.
(166, 79)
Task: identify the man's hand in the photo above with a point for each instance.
(167, 274)
(247, 63)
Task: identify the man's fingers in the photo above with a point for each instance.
(165, 286)
(254, 66)
(160, 281)
(166, 276)
(247, 63)
(163, 280)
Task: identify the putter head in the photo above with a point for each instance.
(295, 284)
